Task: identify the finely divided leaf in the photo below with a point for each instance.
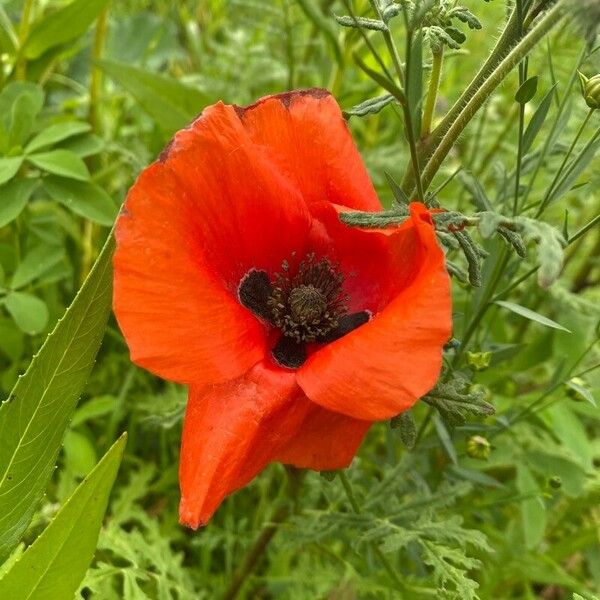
(54, 565)
(34, 418)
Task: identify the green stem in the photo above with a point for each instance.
(432, 92)
(21, 66)
(258, 548)
(89, 229)
(552, 18)
(356, 508)
(548, 195)
(498, 53)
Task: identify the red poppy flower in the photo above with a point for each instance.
(235, 276)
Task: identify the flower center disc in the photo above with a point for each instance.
(307, 306)
(307, 303)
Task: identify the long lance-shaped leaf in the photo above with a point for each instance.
(54, 565)
(34, 418)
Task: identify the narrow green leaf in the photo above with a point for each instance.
(34, 418)
(56, 133)
(583, 391)
(96, 407)
(382, 80)
(29, 313)
(538, 119)
(533, 510)
(576, 168)
(36, 263)
(170, 103)
(61, 162)
(9, 167)
(361, 22)
(527, 90)
(23, 114)
(83, 198)
(445, 438)
(414, 83)
(325, 25)
(401, 198)
(64, 25)
(54, 565)
(14, 196)
(531, 315)
(369, 107)
(472, 185)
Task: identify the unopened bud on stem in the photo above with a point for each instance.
(590, 88)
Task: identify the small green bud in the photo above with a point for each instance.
(574, 386)
(478, 447)
(590, 88)
(479, 361)
(555, 482)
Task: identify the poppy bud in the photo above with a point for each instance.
(478, 447)
(590, 88)
(479, 361)
(576, 387)
(555, 482)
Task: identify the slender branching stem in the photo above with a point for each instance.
(551, 19)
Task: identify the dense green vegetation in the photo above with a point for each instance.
(453, 503)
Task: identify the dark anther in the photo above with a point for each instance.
(254, 293)
(346, 324)
(289, 353)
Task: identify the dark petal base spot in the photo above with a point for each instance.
(289, 353)
(254, 292)
(346, 324)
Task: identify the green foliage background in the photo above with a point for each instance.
(86, 105)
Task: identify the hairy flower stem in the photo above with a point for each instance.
(551, 20)
(356, 508)
(500, 50)
(432, 91)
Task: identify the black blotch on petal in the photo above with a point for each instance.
(289, 353)
(346, 324)
(254, 291)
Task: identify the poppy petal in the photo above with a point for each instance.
(249, 215)
(381, 368)
(325, 441)
(231, 432)
(179, 320)
(306, 137)
(194, 225)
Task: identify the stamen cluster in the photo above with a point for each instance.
(308, 305)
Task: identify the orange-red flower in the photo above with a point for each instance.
(235, 276)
